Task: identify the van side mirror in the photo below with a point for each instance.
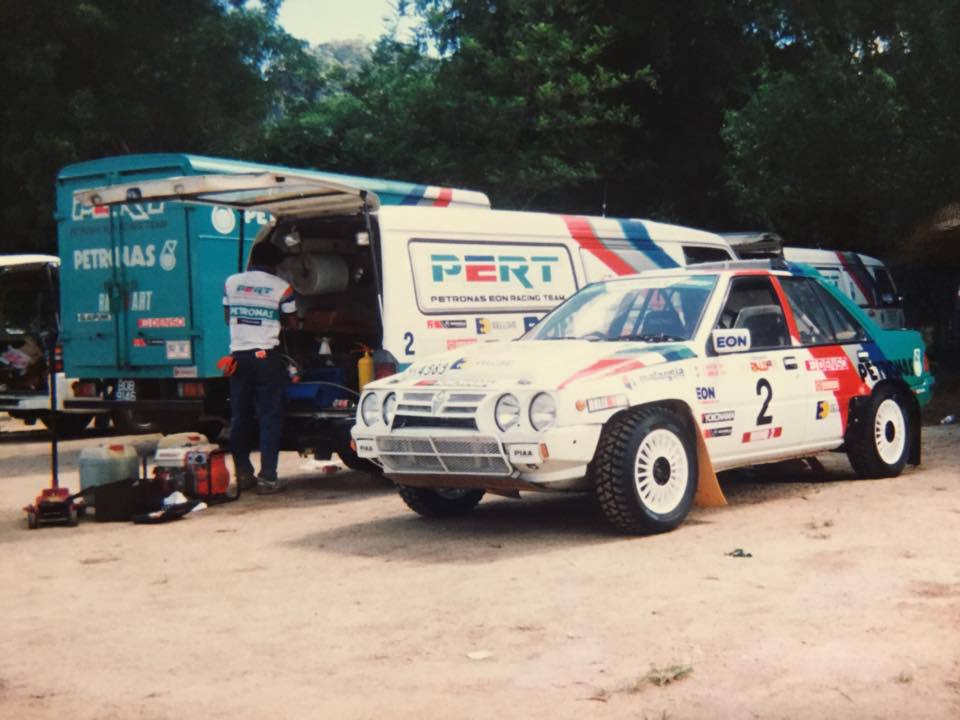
(730, 341)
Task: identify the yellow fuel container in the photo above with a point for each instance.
(365, 368)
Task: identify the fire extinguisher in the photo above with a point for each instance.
(365, 367)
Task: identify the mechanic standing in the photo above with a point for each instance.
(256, 304)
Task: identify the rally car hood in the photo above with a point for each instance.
(548, 364)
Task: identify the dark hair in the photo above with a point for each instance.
(266, 255)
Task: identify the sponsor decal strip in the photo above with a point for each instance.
(604, 364)
(760, 435)
(581, 231)
(718, 417)
(718, 432)
(636, 233)
(443, 198)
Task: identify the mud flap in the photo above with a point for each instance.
(709, 493)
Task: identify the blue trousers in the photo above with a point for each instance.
(257, 394)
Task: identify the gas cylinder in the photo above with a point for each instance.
(365, 368)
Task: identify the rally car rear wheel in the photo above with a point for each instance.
(439, 502)
(645, 471)
(878, 441)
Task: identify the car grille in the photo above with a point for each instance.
(437, 409)
(452, 455)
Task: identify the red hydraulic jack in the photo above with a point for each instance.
(54, 504)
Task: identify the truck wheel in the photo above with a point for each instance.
(129, 422)
(645, 471)
(66, 425)
(878, 439)
(33, 522)
(440, 502)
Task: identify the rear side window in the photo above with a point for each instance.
(808, 311)
(886, 290)
(693, 254)
(845, 327)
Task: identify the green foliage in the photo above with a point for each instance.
(100, 77)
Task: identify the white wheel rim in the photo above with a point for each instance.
(889, 431)
(660, 471)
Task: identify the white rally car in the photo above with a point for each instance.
(640, 388)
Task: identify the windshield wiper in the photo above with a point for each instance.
(653, 338)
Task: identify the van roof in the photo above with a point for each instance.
(121, 169)
(536, 224)
(7, 261)
(819, 256)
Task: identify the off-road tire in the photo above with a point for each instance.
(614, 470)
(873, 434)
(431, 502)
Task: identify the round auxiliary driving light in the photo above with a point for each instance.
(389, 408)
(543, 411)
(506, 413)
(370, 409)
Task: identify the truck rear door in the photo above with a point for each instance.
(128, 298)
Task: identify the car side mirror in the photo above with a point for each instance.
(730, 341)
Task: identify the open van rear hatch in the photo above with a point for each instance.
(284, 195)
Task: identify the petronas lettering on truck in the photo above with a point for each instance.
(134, 255)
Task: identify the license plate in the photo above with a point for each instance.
(126, 390)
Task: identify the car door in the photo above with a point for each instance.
(750, 397)
(832, 343)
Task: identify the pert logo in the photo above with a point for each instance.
(134, 211)
(494, 268)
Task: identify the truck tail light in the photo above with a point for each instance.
(58, 358)
(384, 369)
(84, 389)
(190, 390)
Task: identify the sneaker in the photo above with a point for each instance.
(247, 482)
(269, 487)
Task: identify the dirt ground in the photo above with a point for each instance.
(335, 601)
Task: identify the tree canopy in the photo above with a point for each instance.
(829, 123)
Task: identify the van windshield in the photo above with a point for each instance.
(656, 309)
(24, 302)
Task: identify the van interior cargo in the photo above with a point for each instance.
(329, 264)
(25, 317)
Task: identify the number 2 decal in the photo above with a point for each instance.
(762, 417)
(408, 348)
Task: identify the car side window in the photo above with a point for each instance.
(753, 304)
(809, 313)
(845, 326)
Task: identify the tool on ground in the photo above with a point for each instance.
(198, 471)
(54, 504)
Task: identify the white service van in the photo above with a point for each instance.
(29, 325)
(864, 279)
(408, 282)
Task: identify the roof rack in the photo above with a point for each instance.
(774, 263)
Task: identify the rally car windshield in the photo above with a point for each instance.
(654, 309)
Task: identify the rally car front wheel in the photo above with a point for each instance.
(878, 440)
(645, 471)
(439, 502)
